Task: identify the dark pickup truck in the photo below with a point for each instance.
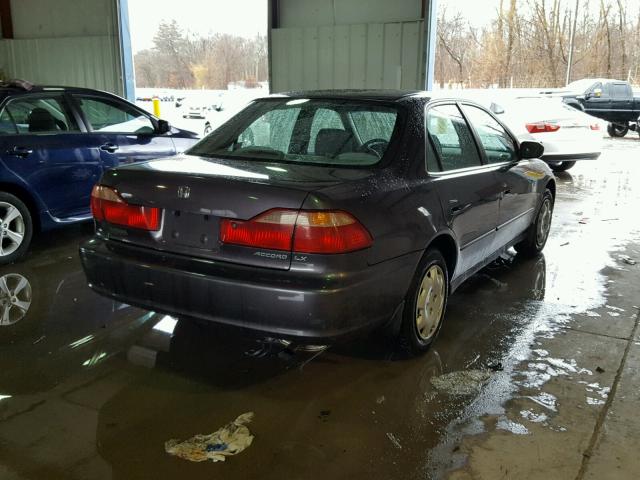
(610, 100)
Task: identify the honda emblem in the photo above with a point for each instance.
(184, 191)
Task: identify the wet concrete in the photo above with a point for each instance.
(90, 388)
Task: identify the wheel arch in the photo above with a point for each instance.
(28, 199)
(446, 244)
(551, 185)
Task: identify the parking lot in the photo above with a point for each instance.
(544, 355)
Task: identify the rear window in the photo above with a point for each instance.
(325, 132)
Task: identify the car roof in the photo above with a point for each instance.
(20, 86)
(358, 94)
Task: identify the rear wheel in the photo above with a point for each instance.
(16, 228)
(617, 131)
(538, 232)
(561, 166)
(425, 303)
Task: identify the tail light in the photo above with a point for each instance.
(107, 205)
(542, 127)
(305, 231)
(595, 126)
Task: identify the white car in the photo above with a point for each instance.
(200, 106)
(230, 103)
(567, 134)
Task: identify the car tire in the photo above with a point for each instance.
(538, 232)
(425, 304)
(20, 224)
(561, 166)
(616, 131)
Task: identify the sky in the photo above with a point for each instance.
(240, 17)
(478, 12)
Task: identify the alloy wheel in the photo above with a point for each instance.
(15, 298)
(12, 229)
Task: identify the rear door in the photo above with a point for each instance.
(123, 133)
(517, 196)
(41, 144)
(621, 102)
(467, 188)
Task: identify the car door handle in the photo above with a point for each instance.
(20, 151)
(109, 147)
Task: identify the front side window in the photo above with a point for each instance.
(496, 142)
(34, 115)
(106, 115)
(452, 138)
(305, 131)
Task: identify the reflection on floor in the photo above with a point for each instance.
(92, 388)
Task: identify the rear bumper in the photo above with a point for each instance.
(277, 303)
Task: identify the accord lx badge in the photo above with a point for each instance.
(184, 191)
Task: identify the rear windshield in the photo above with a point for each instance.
(305, 131)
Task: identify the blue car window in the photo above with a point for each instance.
(37, 115)
(105, 115)
(7, 125)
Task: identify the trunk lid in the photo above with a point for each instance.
(194, 193)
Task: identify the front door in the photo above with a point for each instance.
(41, 144)
(122, 133)
(468, 190)
(516, 180)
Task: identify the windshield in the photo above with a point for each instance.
(581, 86)
(304, 131)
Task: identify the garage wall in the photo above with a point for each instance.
(64, 42)
(334, 44)
(374, 55)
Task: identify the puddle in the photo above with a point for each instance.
(464, 382)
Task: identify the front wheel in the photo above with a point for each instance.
(16, 228)
(561, 166)
(617, 131)
(425, 303)
(538, 232)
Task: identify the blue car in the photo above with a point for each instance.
(55, 143)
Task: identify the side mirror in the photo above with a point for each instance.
(530, 149)
(496, 109)
(163, 127)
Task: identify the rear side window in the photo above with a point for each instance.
(620, 91)
(496, 142)
(106, 115)
(452, 138)
(37, 115)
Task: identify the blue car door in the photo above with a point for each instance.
(122, 132)
(43, 149)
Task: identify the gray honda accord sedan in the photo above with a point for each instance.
(316, 215)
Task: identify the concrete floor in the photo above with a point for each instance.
(91, 389)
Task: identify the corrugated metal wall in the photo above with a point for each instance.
(64, 42)
(374, 55)
(75, 61)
